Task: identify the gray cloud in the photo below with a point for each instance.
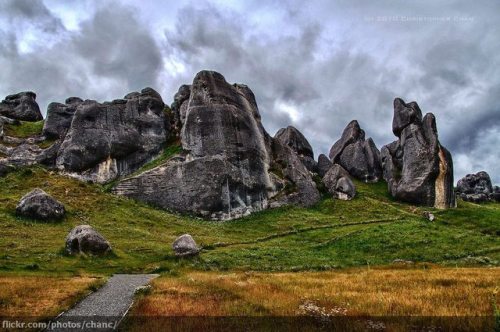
(113, 53)
(316, 66)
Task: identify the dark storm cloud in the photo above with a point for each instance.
(112, 54)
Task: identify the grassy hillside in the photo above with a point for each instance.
(370, 230)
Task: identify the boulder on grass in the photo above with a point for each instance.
(85, 239)
(185, 246)
(39, 205)
(339, 184)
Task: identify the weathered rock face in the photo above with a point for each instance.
(294, 139)
(324, 164)
(59, 117)
(223, 172)
(112, 139)
(21, 106)
(185, 246)
(39, 205)
(416, 167)
(476, 188)
(338, 183)
(358, 156)
(84, 239)
(179, 106)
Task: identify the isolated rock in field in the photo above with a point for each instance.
(358, 156)
(324, 164)
(224, 169)
(429, 216)
(339, 184)
(294, 139)
(112, 139)
(39, 205)
(185, 246)
(84, 239)
(416, 167)
(21, 106)
(59, 117)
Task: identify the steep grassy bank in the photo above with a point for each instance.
(370, 230)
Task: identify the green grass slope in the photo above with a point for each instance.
(370, 230)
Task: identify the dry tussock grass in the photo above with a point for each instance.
(353, 292)
(38, 297)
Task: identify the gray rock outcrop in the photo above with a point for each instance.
(357, 155)
(185, 246)
(226, 168)
(476, 188)
(339, 184)
(417, 168)
(293, 138)
(85, 239)
(37, 204)
(324, 164)
(112, 139)
(21, 106)
(59, 117)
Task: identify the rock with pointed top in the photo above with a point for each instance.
(359, 156)
(417, 168)
(324, 164)
(229, 166)
(37, 204)
(21, 106)
(185, 246)
(293, 138)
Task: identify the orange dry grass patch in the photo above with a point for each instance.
(41, 297)
(353, 292)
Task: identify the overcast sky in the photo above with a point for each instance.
(312, 64)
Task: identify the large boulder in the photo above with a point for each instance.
(179, 107)
(224, 169)
(85, 239)
(476, 188)
(417, 168)
(112, 139)
(59, 117)
(37, 204)
(185, 246)
(21, 106)
(293, 138)
(338, 183)
(359, 156)
(324, 164)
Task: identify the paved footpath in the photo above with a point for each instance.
(104, 309)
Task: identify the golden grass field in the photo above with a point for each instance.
(360, 292)
(36, 297)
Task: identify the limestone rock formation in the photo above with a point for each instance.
(21, 106)
(59, 117)
(179, 106)
(85, 239)
(338, 183)
(293, 138)
(359, 156)
(417, 168)
(185, 246)
(37, 204)
(476, 188)
(224, 171)
(324, 164)
(112, 139)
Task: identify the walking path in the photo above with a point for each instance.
(104, 309)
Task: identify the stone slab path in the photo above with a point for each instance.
(104, 309)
